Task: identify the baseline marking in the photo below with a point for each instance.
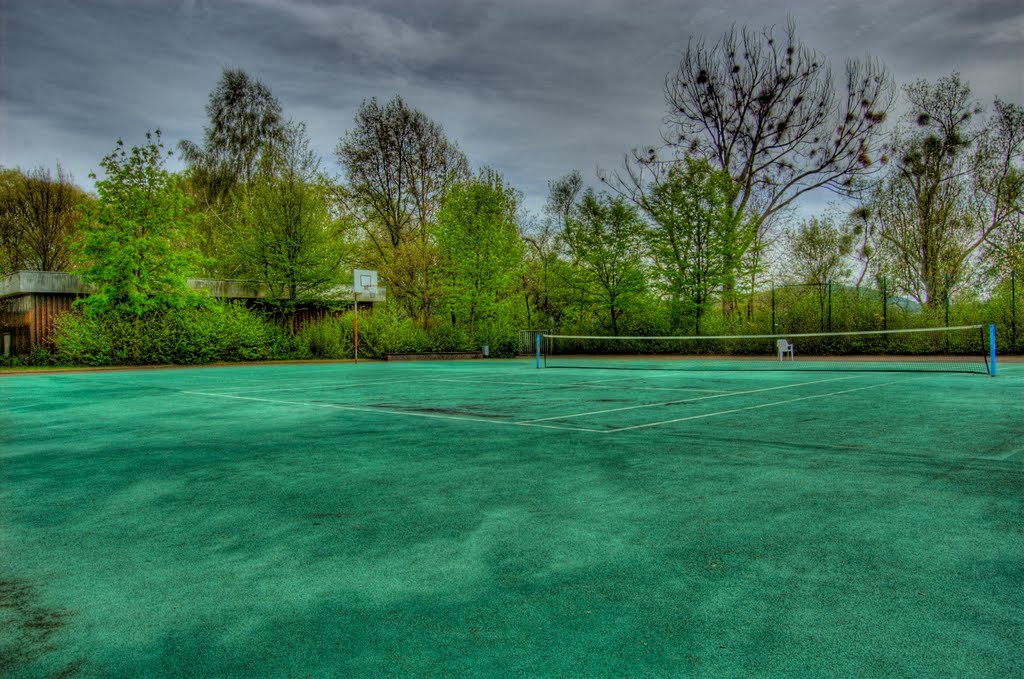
(689, 400)
(762, 405)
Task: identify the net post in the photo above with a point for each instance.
(538, 349)
(992, 349)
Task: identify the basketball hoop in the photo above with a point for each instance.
(364, 281)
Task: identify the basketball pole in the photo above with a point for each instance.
(355, 323)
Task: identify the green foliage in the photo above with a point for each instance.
(603, 236)
(171, 336)
(388, 330)
(400, 165)
(132, 247)
(818, 250)
(694, 236)
(481, 251)
(288, 238)
(331, 338)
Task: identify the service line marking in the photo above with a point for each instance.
(755, 407)
(689, 400)
(578, 385)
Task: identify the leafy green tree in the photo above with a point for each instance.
(818, 251)
(603, 236)
(400, 165)
(693, 235)
(543, 277)
(289, 238)
(134, 236)
(38, 216)
(481, 253)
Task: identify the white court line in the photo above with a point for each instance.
(577, 385)
(438, 416)
(689, 400)
(762, 405)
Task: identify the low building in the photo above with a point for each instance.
(31, 300)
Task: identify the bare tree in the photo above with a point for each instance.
(38, 213)
(954, 186)
(998, 199)
(766, 110)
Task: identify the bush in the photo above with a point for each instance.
(329, 338)
(181, 336)
(388, 331)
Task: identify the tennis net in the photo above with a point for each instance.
(953, 349)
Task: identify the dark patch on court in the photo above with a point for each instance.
(459, 413)
(27, 628)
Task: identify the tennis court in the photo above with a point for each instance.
(483, 518)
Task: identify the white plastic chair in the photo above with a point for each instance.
(785, 347)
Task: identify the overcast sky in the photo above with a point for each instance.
(532, 88)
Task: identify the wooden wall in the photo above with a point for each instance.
(29, 318)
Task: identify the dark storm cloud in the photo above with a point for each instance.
(533, 88)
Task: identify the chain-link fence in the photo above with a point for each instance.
(832, 307)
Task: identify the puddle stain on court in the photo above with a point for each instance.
(27, 629)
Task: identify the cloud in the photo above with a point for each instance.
(534, 88)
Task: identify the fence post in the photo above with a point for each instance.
(830, 306)
(772, 331)
(1013, 309)
(885, 307)
(947, 300)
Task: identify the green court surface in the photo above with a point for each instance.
(486, 518)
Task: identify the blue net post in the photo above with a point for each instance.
(538, 350)
(992, 349)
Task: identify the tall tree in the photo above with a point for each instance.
(38, 215)
(132, 249)
(693, 234)
(998, 198)
(543, 273)
(766, 110)
(399, 165)
(289, 238)
(818, 250)
(245, 120)
(481, 254)
(603, 236)
(953, 186)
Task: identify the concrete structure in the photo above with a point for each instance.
(31, 300)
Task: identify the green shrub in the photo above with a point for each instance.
(329, 338)
(211, 334)
(386, 330)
